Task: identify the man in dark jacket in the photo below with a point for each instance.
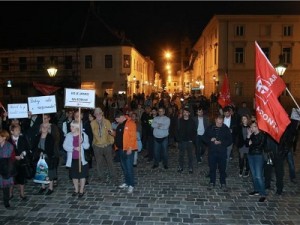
(218, 137)
(186, 136)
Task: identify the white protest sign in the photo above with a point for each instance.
(42, 104)
(295, 114)
(79, 98)
(17, 111)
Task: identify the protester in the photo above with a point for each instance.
(160, 126)
(75, 144)
(126, 144)
(241, 144)
(256, 142)
(218, 137)
(7, 156)
(22, 151)
(186, 135)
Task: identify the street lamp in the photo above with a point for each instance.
(52, 70)
(281, 66)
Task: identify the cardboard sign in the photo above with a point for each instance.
(295, 114)
(79, 98)
(42, 104)
(17, 111)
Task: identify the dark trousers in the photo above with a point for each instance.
(200, 147)
(243, 161)
(6, 196)
(278, 165)
(185, 146)
(150, 147)
(217, 159)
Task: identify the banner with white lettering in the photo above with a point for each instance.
(271, 116)
(79, 98)
(42, 104)
(17, 111)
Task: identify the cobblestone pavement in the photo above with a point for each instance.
(161, 197)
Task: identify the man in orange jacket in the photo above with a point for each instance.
(126, 144)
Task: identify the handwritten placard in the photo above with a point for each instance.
(79, 98)
(295, 114)
(42, 104)
(17, 111)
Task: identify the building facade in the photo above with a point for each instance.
(227, 46)
(111, 69)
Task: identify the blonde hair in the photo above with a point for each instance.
(75, 124)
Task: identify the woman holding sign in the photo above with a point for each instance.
(74, 144)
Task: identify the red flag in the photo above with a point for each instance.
(45, 89)
(224, 97)
(270, 115)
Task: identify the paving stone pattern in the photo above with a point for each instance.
(161, 197)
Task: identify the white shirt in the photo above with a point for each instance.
(227, 121)
(200, 129)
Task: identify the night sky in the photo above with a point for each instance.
(151, 26)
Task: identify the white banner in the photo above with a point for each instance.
(17, 111)
(295, 114)
(79, 98)
(42, 104)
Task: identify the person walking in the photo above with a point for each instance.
(218, 137)
(125, 145)
(243, 150)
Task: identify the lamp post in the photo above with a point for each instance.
(52, 70)
(280, 69)
(281, 66)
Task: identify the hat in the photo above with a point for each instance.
(119, 114)
(98, 110)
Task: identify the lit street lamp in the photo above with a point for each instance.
(281, 66)
(52, 71)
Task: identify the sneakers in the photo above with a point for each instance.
(130, 190)
(42, 190)
(241, 174)
(253, 193)
(246, 174)
(123, 186)
(179, 169)
(262, 199)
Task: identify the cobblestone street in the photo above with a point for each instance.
(161, 197)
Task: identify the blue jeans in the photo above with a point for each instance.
(291, 163)
(161, 151)
(185, 146)
(127, 166)
(256, 164)
(217, 160)
(200, 148)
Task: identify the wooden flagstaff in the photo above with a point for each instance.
(292, 97)
(79, 119)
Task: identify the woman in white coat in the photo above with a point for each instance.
(71, 145)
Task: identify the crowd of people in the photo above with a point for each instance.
(118, 130)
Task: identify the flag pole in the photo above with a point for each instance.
(292, 97)
(79, 119)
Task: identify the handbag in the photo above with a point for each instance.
(27, 168)
(88, 154)
(41, 173)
